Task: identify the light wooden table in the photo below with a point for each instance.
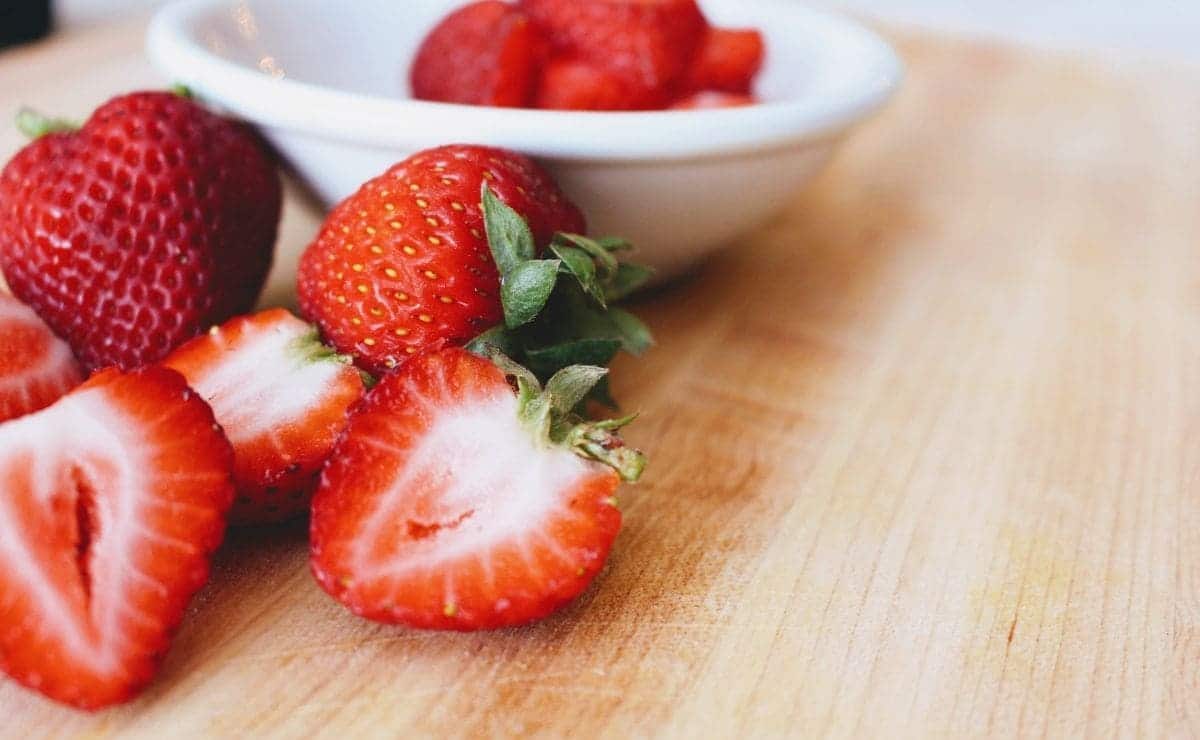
(926, 457)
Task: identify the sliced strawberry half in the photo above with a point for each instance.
(281, 396)
(451, 503)
(111, 502)
(485, 53)
(36, 367)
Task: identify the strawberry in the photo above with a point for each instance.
(570, 84)
(404, 264)
(437, 253)
(451, 503)
(710, 99)
(486, 53)
(281, 397)
(646, 43)
(134, 233)
(36, 367)
(111, 502)
(728, 60)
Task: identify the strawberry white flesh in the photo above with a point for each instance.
(282, 399)
(111, 501)
(440, 510)
(36, 367)
(452, 479)
(262, 384)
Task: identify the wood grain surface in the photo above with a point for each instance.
(925, 458)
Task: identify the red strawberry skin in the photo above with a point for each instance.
(404, 266)
(282, 398)
(728, 61)
(439, 511)
(111, 502)
(154, 221)
(647, 43)
(36, 367)
(486, 53)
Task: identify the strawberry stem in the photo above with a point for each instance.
(597, 443)
(308, 348)
(36, 125)
(549, 415)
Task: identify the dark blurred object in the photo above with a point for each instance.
(23, 20)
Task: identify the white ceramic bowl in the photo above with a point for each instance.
(327, 83)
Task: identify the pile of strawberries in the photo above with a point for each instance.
(587, 55)
(440, 441)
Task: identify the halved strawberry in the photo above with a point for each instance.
(485, 53)
(281, 396)
(111, 501)
(451, 503)
(36, 367)
(728, 61)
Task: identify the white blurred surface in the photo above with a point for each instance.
(1155, 29)
(68, 13)
(1165, 29)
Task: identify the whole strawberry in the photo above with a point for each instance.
(405, 265)
(153, 221)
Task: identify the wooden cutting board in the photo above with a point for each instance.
(926, 457)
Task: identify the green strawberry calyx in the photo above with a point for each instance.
(549, 414)
(310, 349)
(35, 125)
(558, 309)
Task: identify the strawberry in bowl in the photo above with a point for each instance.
(568, 55)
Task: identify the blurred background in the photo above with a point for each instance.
(1157, 29)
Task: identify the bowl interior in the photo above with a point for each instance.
(366, 46)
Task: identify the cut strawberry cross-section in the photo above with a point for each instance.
(453, 503)
(36, 367)
(111, 502)
(281, 397)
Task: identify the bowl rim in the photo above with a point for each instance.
(377, 121)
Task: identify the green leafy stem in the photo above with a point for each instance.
(558, 309)
(549, 413)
